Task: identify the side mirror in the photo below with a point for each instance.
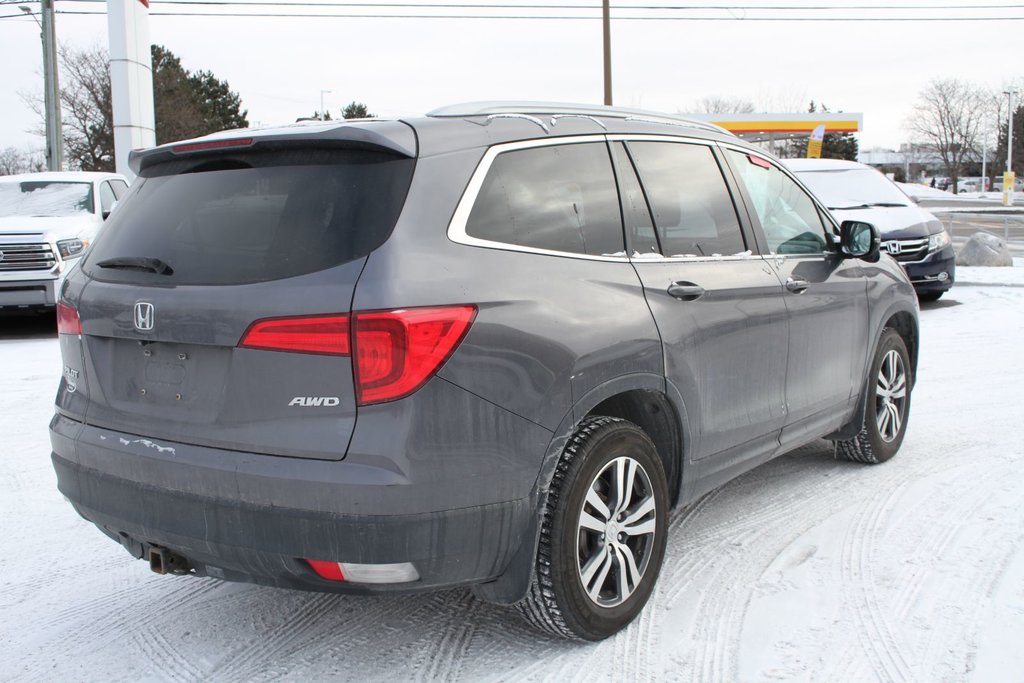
(860, 240)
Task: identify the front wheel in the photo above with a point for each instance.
(603, 533)
(888, 404)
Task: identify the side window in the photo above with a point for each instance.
(558, 197)
(639, 226)
(107, 197)
(120, 188)
(789, 217)
(693, 211)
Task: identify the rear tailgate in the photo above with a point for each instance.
(199, 250)
(187, 380)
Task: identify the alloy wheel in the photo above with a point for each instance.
(616, 532)
(890, 396)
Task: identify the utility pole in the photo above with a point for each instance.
(51, 89)
(607, 24)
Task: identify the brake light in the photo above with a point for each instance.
(321, 334)
(213, 144)
(398, 351)
(394, 352)
(68, 321)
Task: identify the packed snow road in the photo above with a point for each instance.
(807, 568)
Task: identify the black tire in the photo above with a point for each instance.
(929, 296)
(881, 436)
(570, 546)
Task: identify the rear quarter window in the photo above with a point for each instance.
(254, 217)
(556, 198)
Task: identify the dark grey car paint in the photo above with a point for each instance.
(451, 477)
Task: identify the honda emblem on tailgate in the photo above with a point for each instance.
(144, 316)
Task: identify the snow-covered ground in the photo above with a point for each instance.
(807, 568)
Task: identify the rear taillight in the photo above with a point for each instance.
(323, 334)
(395, 352)
(398, 351)
(67, 320)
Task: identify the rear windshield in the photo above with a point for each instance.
(251, 218)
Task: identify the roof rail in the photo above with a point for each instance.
(489, 108)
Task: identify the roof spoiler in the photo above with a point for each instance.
(393, 136)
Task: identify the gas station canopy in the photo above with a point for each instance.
(784, 125)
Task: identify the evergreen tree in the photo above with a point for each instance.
(998, 165)
(186, 105)
(356, 110)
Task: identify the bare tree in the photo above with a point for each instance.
(186, 104)
(715, 104)
(948, 117)
(14, 160)
(88, 114)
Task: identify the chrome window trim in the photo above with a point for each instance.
(457, 225)
(699, 259)
(641, 137)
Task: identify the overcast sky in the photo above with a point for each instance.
(398, 66)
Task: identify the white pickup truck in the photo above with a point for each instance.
(46, 222)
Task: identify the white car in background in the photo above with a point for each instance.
(46, 222)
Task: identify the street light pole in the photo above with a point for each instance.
(51, 89)
(1009, 129)
(323, 114)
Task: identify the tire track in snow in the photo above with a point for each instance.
(263, 647)
(174, 664)
(875, 633)
(940, 532)
(91, 625)
(443, 662)
(990, 563)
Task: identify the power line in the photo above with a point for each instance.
(667, 8)
(545, 18)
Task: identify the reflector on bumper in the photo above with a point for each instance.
(399, 572)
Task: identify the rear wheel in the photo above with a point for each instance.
(603, 533)
(885, 420)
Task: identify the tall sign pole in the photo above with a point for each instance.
(131, 79)
(607, 24)
(51, 94)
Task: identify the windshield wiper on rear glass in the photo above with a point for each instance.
(143, 263)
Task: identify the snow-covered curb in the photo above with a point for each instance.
(999, 277)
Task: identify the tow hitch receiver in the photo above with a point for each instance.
(164, 561)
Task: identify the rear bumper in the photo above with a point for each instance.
(253, 518)
(35, 293)
(935, 273)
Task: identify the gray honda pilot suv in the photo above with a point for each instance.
(491, 346)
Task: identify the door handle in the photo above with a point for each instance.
(685, 291)
(797, 285)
